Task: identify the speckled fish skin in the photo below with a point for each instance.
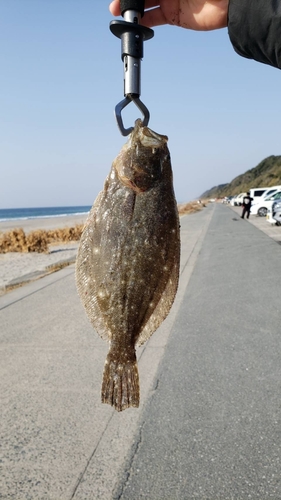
(127, 265)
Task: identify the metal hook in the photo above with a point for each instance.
(122, 104)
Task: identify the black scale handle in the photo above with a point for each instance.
(137, 5)
(132, 34)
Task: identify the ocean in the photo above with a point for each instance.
(40, 212)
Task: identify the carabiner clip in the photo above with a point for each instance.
(122, 104)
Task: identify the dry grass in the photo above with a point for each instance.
(191, 207)
(37, 241)
(65, 235)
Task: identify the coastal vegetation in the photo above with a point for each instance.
(39, 240)
(190, 207)
(266, 174)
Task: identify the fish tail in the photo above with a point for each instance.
(120, 385)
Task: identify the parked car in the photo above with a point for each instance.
(276, 212)
(272, 190)
(227, 199)
(264, 204)
(237, 200)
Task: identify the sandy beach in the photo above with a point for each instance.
(17, 268)
(44, 223)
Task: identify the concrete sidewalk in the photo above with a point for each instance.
(58, 442)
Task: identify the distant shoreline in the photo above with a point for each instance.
(41, 217)
(28, 225)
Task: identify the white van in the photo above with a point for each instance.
(262, 192)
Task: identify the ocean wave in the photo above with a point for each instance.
(43, 216)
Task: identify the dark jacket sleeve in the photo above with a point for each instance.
(254, 28)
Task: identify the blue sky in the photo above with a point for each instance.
(62, 75)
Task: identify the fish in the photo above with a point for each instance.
(127, 265)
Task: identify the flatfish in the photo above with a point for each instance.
(127, 266)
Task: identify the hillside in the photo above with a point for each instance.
(266, 173)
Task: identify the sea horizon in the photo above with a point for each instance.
(7, 214)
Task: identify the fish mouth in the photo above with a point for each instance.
(147, 137)
(138, 165)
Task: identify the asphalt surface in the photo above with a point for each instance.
(209, 422)
(212, 428)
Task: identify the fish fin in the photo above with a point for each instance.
(163, 307)
(120, 385)
(85, 272)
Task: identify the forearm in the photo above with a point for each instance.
(254, 28)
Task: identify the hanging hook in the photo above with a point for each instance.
(121, 105)
(132, 36)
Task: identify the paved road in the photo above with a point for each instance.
(212, 428)
(262, 223)
(209, 422)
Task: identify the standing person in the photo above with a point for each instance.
(247, 203)
(254, 26)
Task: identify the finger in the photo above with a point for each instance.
(114, 8)
(151, 3)
(154, 17)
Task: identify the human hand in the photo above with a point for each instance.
(200, 15)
